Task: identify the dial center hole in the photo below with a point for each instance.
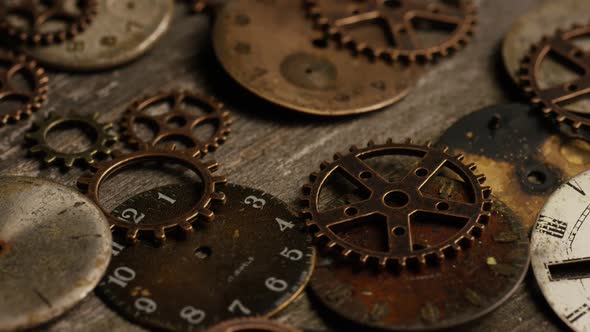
(203, 252)
(396, 199)
(536, 177)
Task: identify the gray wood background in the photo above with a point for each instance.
(274, 149)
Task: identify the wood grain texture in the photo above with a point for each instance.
(274, 149)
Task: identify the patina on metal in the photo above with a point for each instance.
(393, 30)
(122, 32)
(253, 260)
(560, 254)
(524, 155)
(252, 324)
(101, 135)
(271, 49)
(400, 206)
(177, 122)
(55, 245)
(459, 290)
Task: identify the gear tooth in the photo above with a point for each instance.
(208, 214)
(313, 176)
(49, 159)
(318, 235)
(383, 262)
(69, 162)
(331, 244)
(577, 125)
(481, 178)
(89, 159)
(440, 255)
(186, 226)
(306, 189)
(364, 259)
(469, 238)
(337, 156)
(324, 164)
(219, 180)
(428, 144)
(389, 141)
(132, 234)
(84, 182)
(371, 143)
(212, 165)
(472, 167)
(346, 252)
(560, 118)
(402, 261)
(160, 234)
(353, 148)
(35, 149)
(536, 100)
(547, 110)
(422, 259)
(460, 157)
(218, 196)
(456, 247)
(409, 141)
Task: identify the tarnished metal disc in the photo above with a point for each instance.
(252, 260)
(524, 156)
(544, 20)
(460, 290)
(560, 252)
(55, 245)
(268, 47)
(121, 32)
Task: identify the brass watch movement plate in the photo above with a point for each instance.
(272, 50)
(471, 284)
(55, 245)
(252, 260)
(121, 32)
(544, 20)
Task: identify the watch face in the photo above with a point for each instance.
(560, 252)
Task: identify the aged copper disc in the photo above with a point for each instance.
(477, 281)
(524, 156)
(541, 21)
(268, 47)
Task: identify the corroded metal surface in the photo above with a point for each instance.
(122, 32)
(271, 49)
(253, 260)
(55, 245)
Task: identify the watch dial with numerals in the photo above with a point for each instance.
(560, 252)
(253, 260)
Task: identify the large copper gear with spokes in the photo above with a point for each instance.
(77, 15)
(409, 200)
(397, 19)
(31, 100)
(91, 184)
(552, 98)
(178, 123)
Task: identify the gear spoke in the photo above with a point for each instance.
(430, 164)
(361, 172)
(570, 52)
(449, 208)
(399, 235)
(439, 17)
(559, 94)
(349, 212)
(358, 18)
(403, 34)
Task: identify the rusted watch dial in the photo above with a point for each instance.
(253, 260)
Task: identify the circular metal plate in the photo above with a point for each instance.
(465, 288)
(55, 245)
(560, 252)
(252, 260)
(543, 20)
(523, 155)
(121, 32)
(268, 47)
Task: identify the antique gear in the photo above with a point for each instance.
(31, 100)
(258, 251)
(435, 298)
(178, 123)
(536, 23)
(123, 32)
(103, 139)
(559, 252)
(272, 50)
(400, 21)
(397, 201)
(525, 156)
(55, 246)
(91, 185)
(554, 99)
(252, 324)
(37, 14)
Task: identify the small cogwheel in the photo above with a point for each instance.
(400, 205)
(401, 21)
(103, 139)
(554, 99)
(91, 184)
(32, 99)
(27, 21)
(178, 122)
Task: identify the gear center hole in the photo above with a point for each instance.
(71, 137)
(396, 199)
(537, 177)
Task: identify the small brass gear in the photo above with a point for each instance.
(552, 99)
(178, 123)
(397, 201)
(91, 184)
(398, 18)
(31, 100)
(38, 13)
(102, 136)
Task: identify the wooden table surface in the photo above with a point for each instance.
(274, 149)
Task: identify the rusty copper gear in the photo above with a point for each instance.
(397, 18)
(411, 200)
(38, 13)
(178, 123)
(91, 184)
(251, 324)
(31, 100)
(551, 99)
(103, 139)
